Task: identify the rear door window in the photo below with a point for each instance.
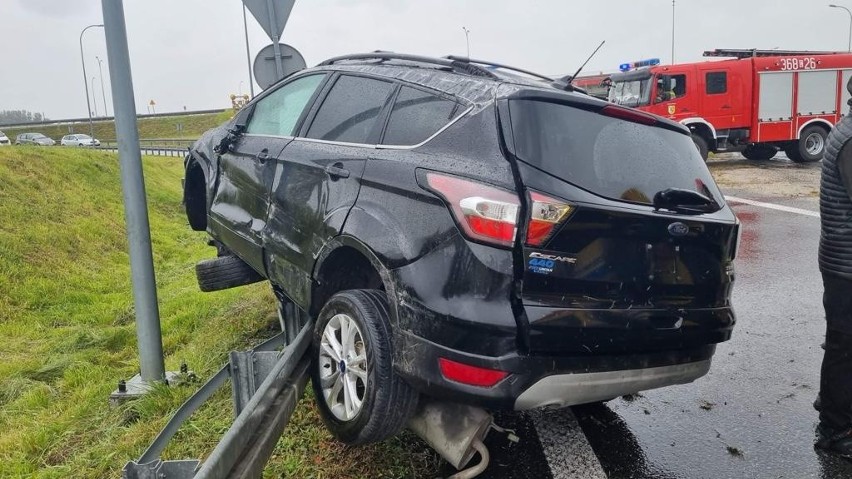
(350, 110)
(613, 158)
(277, 113)
(417, 115)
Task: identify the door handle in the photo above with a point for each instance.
(726, 107)
(263, 155)
(337, 171)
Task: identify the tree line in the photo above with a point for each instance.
(14, 117)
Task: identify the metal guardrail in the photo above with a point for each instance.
(182, 143)
(110, 118)
(154, 146)
(266, 385)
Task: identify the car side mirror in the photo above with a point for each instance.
(235, 130)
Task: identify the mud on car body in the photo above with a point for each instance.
(470, 235)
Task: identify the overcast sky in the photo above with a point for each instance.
(191, 53)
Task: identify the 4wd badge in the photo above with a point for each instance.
(543, 263)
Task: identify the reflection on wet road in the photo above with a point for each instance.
(751, 416)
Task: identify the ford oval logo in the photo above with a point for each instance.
(678, 229)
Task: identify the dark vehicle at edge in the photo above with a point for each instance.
(472, 236)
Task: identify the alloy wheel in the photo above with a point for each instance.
(343, 367)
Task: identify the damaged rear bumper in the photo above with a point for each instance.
(542, 380)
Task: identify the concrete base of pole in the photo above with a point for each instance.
(136, 387)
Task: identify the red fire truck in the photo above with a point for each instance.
(759, 102)
(596, 85)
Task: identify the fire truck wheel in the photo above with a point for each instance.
(759, 152)
(701, 144)
(810, 147)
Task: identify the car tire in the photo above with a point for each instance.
(701, 144)
(224, 273)
(759, 152)
(810, 147)
(386, 401)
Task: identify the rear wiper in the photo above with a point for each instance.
(684, 201)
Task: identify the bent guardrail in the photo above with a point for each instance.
(267, 385)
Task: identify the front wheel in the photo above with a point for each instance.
(810, 147)
(701, 144)
(360, 397)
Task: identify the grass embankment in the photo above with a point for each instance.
(192, 126)
(67, 333)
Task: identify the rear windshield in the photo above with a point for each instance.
(617, 159)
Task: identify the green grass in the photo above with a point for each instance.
(160, 127)
(67, 333)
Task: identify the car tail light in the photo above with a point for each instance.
(471, 375)
(485, 213)
(628, 114)
(545, 214)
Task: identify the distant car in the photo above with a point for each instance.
(4, 140)
(79, 140)
(33, 139)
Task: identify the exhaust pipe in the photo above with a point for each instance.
(456, 432)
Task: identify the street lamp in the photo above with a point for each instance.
(673, 31)
(850, 23)
(86, 78)
(467, 39)
(94, 100)
(103, 92)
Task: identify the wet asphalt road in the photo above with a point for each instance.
(752, 415)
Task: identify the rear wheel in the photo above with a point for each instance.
(360, 397)
(759, 152)
(810, 147)
(701, 144)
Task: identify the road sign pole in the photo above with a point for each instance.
(133, 187)
(273, 22)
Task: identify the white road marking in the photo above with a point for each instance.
(568, 452)
(773, 206)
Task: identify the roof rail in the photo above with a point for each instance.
(497, 65)
(753, 52)
(456, 65)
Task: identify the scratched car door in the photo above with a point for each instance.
(239, 208)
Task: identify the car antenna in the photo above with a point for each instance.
(565, 83)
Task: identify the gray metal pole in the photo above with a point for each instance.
(94, 99)
(133, 187)
(248, 53)
(103, 92)
(86, 80)
(673, 31)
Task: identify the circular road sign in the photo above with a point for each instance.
(265, 71)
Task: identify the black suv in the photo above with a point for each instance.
(470, 232)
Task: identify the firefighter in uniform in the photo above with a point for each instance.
(834, 433)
